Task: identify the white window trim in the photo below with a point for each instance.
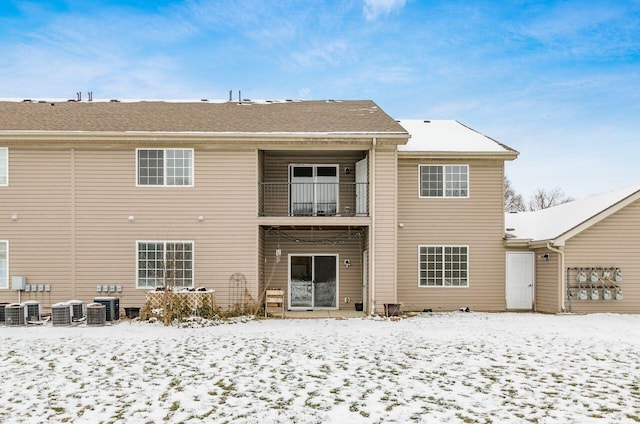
(6, 243)
(444, 194)
(193, 259)
(6, 166)
(420, 286)
(164, 156)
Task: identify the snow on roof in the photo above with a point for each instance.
(447, 136)
(551, 223)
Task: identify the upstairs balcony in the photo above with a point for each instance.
(308, 183)
(323, 199)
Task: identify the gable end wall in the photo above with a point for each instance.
(614, 241)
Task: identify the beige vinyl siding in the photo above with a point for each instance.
(224, 242)
(350, 279)
(40, 239)
(548, 282)
(613, 242)
(384, 236)
(476, 222)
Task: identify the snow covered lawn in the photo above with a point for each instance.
(447, 367)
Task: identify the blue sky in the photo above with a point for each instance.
(558, 81)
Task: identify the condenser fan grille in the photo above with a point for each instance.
(61, 314)
(96, 314)
(14, 314)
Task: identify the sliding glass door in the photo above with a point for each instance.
(313, 282)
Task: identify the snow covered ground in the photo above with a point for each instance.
(446, 367)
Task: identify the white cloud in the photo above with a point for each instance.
(375, 8)
(303, 93)
(332, 53)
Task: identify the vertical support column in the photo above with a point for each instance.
(384, 226)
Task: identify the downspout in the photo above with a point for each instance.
(73, 270)
(372, 235)
(562, 277)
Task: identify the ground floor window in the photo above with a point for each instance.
(4, 264)
(164, 263)
(443, 266)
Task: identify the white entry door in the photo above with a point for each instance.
(520, 278)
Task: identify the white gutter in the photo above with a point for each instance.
(562, 276)
(372, 234)
(56, 136)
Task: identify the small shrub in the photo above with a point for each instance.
(178, 309)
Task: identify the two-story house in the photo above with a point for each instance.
(333, 201)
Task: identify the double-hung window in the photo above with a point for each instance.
(444, 180)
(4, 264)
(4, 166)
(164, 167)
(443, 266)
(164, 263)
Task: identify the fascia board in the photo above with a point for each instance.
(236, 137)
(510, 155)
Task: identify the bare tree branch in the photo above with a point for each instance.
(513, 202)
(543, 199)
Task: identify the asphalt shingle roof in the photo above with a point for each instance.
(352, 116)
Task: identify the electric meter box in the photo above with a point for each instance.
(18, 283)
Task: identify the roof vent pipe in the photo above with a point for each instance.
(239, 97)
(79, 96)
(230, 95)
(90, 94)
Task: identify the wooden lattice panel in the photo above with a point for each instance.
(193, 300)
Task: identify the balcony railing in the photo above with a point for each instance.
(314, 199)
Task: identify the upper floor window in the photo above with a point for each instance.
(4, 166)
(443, 266)
(444, 180)
(163, 263)
(165, 167)
(4, 264)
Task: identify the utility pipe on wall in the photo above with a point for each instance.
(563, 282)
(372, 233)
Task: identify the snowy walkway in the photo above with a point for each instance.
(458, 367)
